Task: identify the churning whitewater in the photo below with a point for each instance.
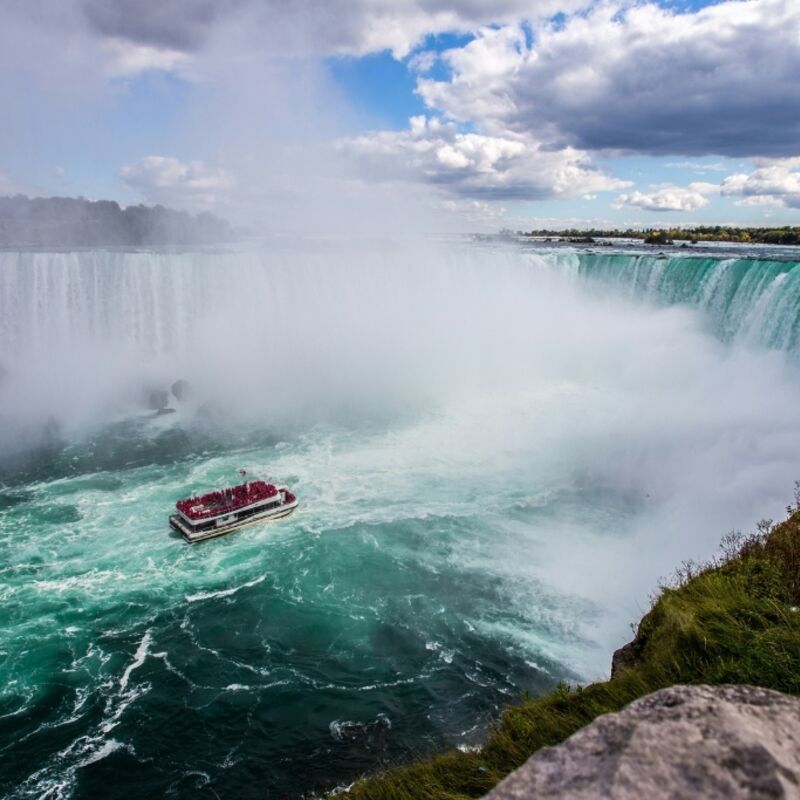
(486, 439)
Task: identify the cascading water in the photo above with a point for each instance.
(749, 300)
(495, 463)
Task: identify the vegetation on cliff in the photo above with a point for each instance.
(76, 222)
(735, 620)
(704, 233)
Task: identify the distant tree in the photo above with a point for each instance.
(658, 237)
(68, 221)
(703, 233)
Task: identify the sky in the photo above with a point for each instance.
(468, 114)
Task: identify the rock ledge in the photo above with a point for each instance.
(683, 742)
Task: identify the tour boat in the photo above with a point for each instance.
(226, 510)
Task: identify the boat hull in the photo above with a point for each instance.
(192, 537)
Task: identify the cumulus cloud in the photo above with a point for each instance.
(192, 185)
(305, 26)
(773, 182)
(475, 165)
(670, 198)
(525, 105)
(638, 78)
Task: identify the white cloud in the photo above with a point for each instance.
(773, 182)
(423, 62)
(518, 118)
(128, 58)
(670, 198)
(193, 184)
(474, 165)
(698, 166)
(637, 78)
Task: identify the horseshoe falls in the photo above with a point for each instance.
(746, 300)
(498, 450)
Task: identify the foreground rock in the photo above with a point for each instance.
(684, 742)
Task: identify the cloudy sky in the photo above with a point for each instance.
(472, 113)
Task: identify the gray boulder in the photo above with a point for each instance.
(180, 389)
(682, 743)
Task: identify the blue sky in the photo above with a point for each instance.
(527, 114)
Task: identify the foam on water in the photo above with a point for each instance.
(508, 458)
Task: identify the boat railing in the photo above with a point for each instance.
(225, 501)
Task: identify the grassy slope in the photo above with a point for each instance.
(734, 621)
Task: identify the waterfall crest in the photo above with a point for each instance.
(745, 300)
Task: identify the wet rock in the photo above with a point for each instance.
(725, 742)
(180, 389)
(162, 411)
(157, 399)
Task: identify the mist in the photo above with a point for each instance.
(499, 448)
(485, 368)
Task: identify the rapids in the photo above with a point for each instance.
(498, 451)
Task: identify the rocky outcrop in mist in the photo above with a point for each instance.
(76, 222)
(683, 742)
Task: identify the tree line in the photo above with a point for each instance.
(77, 222)
(787, 235)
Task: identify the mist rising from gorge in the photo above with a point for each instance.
(480, 362)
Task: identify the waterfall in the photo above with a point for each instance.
(344, 325)
(152, 304)
(745, 300)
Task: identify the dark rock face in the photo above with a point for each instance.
(180, 389)
(627, 656)
(682, 743)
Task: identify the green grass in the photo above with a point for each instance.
(732, 621)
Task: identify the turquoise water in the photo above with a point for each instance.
(495, 463)
(744, 299)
